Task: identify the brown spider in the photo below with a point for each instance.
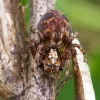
(55, 48)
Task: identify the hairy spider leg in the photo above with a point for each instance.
(73, 37)
(29, 47)
(73, 53)
(75, 64)
(69, 75)
(34, 30)
(74, 59)
(58, 76)
(81, 49)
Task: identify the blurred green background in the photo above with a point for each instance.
(84, 16)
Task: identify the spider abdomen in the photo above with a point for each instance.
(55, 27)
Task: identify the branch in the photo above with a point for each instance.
(11, 40)
(41, 88)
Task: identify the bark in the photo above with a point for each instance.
(41, 87)
(12, 42)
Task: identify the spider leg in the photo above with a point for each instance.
(74, 59)
(36, 52)
(39, 53)
(69, 75)
(30, 41)
(62, 83)
(53, 79)
(81, 49)
(33, 30)
(58, 76)
(30, 47)
(36, 49)
(74, 36)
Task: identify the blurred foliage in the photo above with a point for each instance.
(84, 16)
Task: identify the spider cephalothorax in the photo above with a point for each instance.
(55, 48)
(51, 61)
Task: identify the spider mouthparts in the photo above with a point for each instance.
(52, 66)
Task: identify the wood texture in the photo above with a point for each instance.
(11, 43)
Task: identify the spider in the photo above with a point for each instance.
(55, 49)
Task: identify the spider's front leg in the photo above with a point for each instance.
(78, 46)
(34, 30)
(36, 50)
(38, 46)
